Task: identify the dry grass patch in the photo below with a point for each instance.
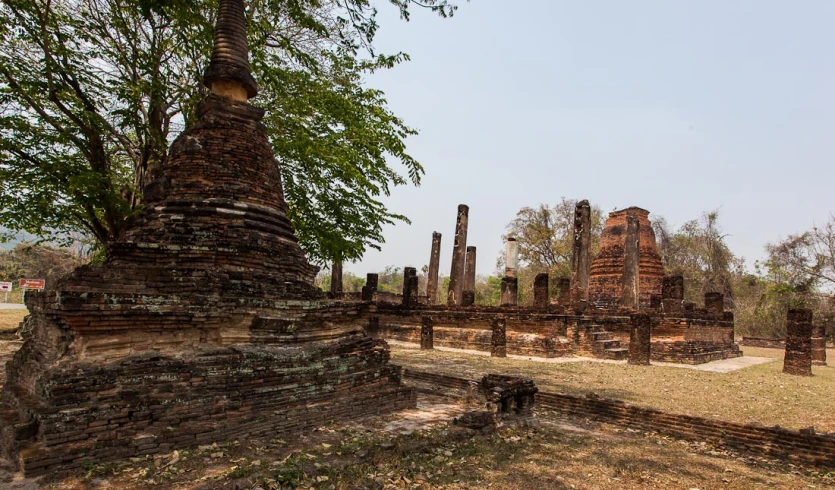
(759, 393)
(10, 319)
(553, 456)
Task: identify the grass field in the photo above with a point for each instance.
(10, 319)
(759, 393)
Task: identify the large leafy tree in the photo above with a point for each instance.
(92, 92)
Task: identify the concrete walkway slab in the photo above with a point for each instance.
(720, 367)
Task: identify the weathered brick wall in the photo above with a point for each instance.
(607, 267)
(763, 342)
(802, 447)
(532, 332)
(673, 339)
(528, 332)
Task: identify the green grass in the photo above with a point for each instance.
(759, 393)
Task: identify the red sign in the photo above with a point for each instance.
(32, 284)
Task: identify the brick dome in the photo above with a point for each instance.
(607, 267)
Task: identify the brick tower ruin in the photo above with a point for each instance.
(605, 286)
(203, 324)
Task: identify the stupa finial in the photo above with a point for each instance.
(228, 73)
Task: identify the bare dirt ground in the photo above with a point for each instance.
(422, 449)
(759, 393)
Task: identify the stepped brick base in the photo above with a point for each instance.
(257, 370)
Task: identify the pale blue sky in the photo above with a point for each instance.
(674, 106)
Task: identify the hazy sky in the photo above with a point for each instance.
(674, 106)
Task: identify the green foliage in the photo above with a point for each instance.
(92, 92)
(545, 236)
(697, 251)
(488, 290)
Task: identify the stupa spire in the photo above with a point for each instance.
(228, 73)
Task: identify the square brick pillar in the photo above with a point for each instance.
(498, 344)
(370, 288)
(427, 333)
(468, 294)
(715, 305)
(564, 292)
(819, 345)
(409, 286)
(540, 291)
(459, 253)
(631, 261)
(509, 295)
(798, 360)
(434, 263)
(672, 294)
(336, 279)
(640, 340)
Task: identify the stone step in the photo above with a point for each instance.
(606, 344)
(619, 353)
(602, 335)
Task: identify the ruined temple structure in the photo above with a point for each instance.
(203, 324)
(605, 279)
(604, 326)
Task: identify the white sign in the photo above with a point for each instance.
(5, 286)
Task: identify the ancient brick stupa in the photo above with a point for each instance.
(605, 285)
(203, 324)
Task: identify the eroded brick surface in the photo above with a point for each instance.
(606, 274)
(203, 324)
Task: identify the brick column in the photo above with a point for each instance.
(540, 291)
(564, 293)
(370, 288)
(511, 262)
(336, 279)
(580, 258)
(427, 333)
(510, 283)
(409, 293)
(373, 326)
(655, 301)
(498, 344)
(819, 345)
(798, 359)
(672, 294)
(509, 290)
(640, 340)
(715, 305)
(468, 293)
(631, 258)
(434, 264)
(456, 275)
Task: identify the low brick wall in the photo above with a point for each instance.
(797, 446)
(763, 342)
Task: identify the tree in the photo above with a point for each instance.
(545, 236)
(805, 261)
(698, 252)
(92, 92)
(28, 261)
